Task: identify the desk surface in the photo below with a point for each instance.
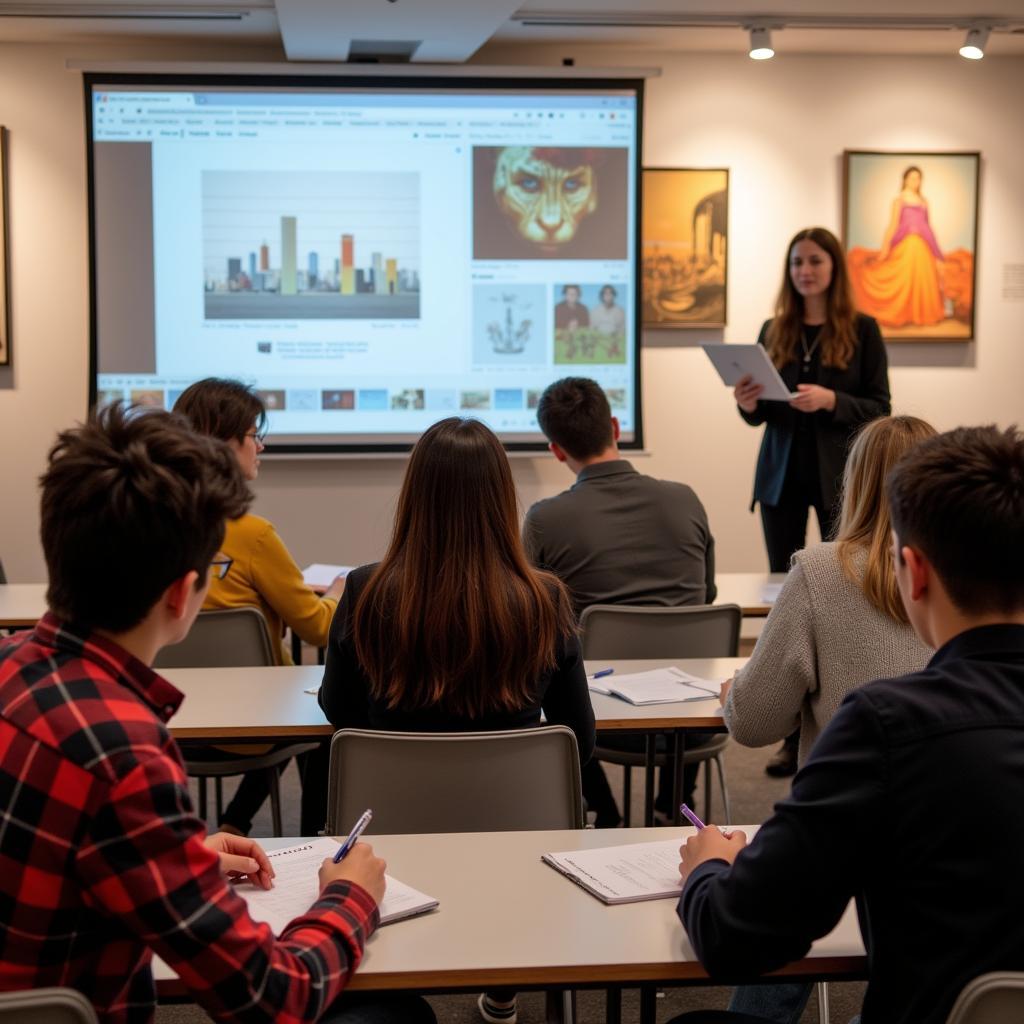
(551, 933)
(222, 704)
(21, 604)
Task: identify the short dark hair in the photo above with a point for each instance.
(959, 499)
(132, 501)
(574, 413)
(223, 408)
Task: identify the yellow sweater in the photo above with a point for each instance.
(264, 575)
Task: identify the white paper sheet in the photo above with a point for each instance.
(624, 874)
(659, 686)
(320, 576)
(296, 887)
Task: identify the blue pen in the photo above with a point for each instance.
(602, 673)
(691, 817)
(358, 829)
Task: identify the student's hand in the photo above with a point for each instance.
(336, 588)
(747, 393)
(812, 398)
(710, 843)
(724, 692)
(359, 866)
(242, 858)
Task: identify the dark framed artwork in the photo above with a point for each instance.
(5, 307)
(910, 231)
(685, 227)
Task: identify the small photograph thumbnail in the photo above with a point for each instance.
(105, 396)
(373, 399)
(533, 397)
(303, 400)
(152, 397)
(408, 398)
(474, 399)
(590, 323)
(441, 399)
(510, 324)
(508, 398)
(274, 399)
(616, 397)
(338, 399)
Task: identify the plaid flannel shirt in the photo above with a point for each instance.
(102, 860)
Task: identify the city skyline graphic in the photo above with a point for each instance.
(311, 245)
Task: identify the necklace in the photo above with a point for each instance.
(808, 350)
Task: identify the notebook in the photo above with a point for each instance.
(656, 686)
(624, 874)
(296, 887)
(320, 576)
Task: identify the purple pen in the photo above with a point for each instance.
(690, 816)
(601, 673)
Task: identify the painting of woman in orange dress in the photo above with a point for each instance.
(910, 285)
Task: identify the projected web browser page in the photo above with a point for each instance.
(370, 261)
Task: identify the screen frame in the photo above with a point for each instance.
(340, 83)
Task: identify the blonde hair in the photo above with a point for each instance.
(864, 522)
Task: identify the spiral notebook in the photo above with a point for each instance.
(296, 887)
(624, 874)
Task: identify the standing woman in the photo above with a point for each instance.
(834, 357)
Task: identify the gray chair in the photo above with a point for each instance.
(990, 999)
(229, 638)
(46, 1006)
(622, 632)
(419, 782)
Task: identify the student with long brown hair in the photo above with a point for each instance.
(455, 629)
(833, 358)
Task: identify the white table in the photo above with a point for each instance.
(747, 589)
(21, 604)
(506, 919)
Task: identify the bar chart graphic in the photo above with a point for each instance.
(311, 245)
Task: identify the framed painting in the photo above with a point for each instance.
(5, 309)
(685, 228)
(910, 231)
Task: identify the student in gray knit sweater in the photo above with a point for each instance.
(838, 621)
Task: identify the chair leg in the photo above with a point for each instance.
(649, 770)
(201, 780)
(559, 1006)
(720, 765)
(274, 780)
(627, 793)
(822, 988)
(218, 788)
(613, 1006)
(707, 791)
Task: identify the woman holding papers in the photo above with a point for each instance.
(455, 630)
(834, 357)
(256, 569)
(837, 623)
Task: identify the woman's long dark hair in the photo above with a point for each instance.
(455, 616)
(838, 335)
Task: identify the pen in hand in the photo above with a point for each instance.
(357, 830)
(691, 817)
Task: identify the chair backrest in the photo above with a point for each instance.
(225, 638)
(990, 999)
(46, 1006)
(641, 631)
(419, 782)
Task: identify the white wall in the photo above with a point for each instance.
(780, 127)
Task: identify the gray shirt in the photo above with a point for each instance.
(618, 537)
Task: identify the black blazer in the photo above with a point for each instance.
(862, 394)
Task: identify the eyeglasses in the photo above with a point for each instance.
(219, 566)
(259, 436)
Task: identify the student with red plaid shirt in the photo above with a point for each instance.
(102, 860)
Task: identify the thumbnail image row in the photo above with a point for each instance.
(440, 400)
(587, 321)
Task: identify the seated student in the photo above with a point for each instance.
(454, 630)
(261, 574)
(616, 537)
(908, 800)
(838, 623)
(104, 862)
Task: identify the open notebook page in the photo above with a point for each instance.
(657, 686)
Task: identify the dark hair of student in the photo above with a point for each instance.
(455, 616)
(221, 408)
(838, 335)
(959, 499)
(574, 413)
(132, 501)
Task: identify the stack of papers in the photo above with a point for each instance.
(770, 592)
(296, 887)
(624, 874)
(658, 686)
(320, 576)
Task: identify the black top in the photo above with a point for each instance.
(347, 702)
(910, 802)
(619, 537)
(862, 394)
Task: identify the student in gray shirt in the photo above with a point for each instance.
(616, 536)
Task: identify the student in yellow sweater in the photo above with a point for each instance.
(262, 574)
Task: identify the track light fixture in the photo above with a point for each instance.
(761, 43)
(974, 44)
